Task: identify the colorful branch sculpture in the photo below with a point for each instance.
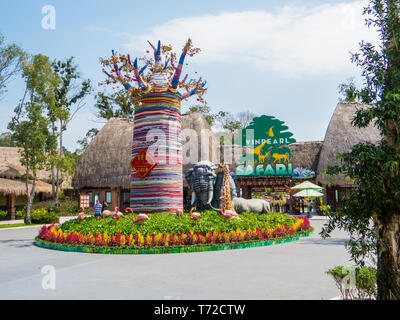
(123, 71)
(157, 122)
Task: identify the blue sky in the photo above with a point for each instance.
(280, 58)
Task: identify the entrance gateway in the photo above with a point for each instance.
(268, 159)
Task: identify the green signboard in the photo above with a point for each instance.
(267, 140)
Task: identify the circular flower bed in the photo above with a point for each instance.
(170, 233)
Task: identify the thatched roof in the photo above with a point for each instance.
(11, 171)
(18, 187)
(306, 154)
(106, 162)
(11, 167)
(340, 137)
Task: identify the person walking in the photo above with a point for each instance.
(97, 208)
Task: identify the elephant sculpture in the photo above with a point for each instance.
(251, 205)
(206, 189)
(201, 179)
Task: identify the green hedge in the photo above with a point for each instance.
(20, 214)
(43, 216)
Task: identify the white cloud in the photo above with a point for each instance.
(294, 41)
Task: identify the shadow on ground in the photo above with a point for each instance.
(328, 241)
(17, 243)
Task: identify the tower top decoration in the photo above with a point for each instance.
(159, 77)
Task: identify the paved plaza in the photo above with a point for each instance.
(293, 270)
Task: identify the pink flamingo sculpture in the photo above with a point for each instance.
(194, 215)
(179, 212)
(81, 215)
(141, 217)
(106, 213)
(229, 214)
(117, 215)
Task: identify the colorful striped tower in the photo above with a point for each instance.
(157, 185)
(157, 129)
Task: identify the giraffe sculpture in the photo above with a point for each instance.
(226, 189)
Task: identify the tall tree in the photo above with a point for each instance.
(228, 121)
(29, 126)
(69, 96)
(11, 60)
(116, 105)
(372, 212)
(206, 111)
(87, 139)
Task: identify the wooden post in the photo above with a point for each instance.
(11, 206)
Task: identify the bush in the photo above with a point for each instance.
(20, 214)
(64, 207)
(43, 216)
(325, 209)
(3, 215)
(355, 283)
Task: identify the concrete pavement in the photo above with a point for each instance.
(288, 271)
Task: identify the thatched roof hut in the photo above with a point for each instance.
(106, 162)
(340, 137)
(12, 184)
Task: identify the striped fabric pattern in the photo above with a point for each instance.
(157, 128)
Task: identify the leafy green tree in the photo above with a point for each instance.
(29, 127)
(11, 60)
(349, 91)
(117, 105)
(228, 121)
(206, 111)
(69, 97)
(87, 139)
(6, 140)
(71, 161)
(372, 212)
